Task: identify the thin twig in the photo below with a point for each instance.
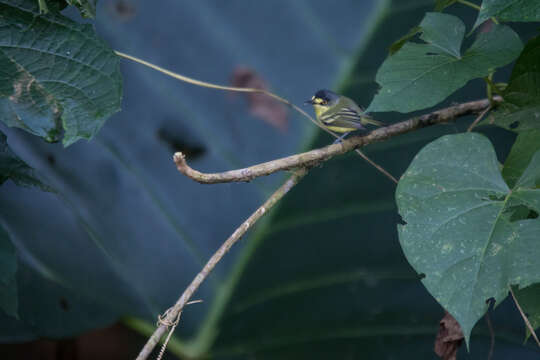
(491, 333)
(248, 90)
(377, 166)
(317, 156)
(174, 312)
(479, 118)
(527, 322)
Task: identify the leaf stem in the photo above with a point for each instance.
(43, 9)
(469, 4)
(525, 319)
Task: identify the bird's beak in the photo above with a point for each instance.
(310, 101)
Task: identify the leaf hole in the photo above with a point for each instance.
(51, 159)
(421, 276)
(64, 305)
(176, 144)
(514, 125)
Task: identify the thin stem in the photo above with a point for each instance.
(479, 118)
(43, 9)
(527, 322)
(248, 90)
(491, 335)
(173, 313)
(314, 157)
(470, 4)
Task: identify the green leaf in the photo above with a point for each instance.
(86, 7)
(455, 204)
(509, 10)
(520, 110)
(527, 143)
(58, 76)
(14, 169)
(422, 75)
(8, 270)
(529, 300)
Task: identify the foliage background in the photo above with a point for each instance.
(126, 233)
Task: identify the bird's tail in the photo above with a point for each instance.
(370, 120)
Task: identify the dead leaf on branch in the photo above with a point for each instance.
(260, 105)
(449, 338)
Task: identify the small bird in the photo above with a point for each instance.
(339, 113)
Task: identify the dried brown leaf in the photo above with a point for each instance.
(260, 105)
(449, 338)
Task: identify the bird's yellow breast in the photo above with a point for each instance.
(320, 109)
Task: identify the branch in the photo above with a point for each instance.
(317, 156)
(248, 90)
(173, 313)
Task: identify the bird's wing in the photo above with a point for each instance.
(344, 117)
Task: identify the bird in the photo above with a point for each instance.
(339, 113)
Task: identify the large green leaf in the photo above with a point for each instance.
(455, 204)
(419, 76)
(144, 229)
(520, 111)
(8, 269)
(57, 75)
(509, 10)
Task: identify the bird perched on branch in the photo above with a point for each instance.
(339, 113)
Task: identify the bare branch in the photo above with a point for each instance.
(173, 312)
(247, 90)
(317, 156)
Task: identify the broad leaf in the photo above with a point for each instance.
(58, 78)
(509, 10)
(458, 233)
(520, 111)
(422, 75)
(14, 169)
(8, 269)
(527, 143)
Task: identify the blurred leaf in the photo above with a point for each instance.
(520, 110)
(8, 269)
(526, 144)
(144, 229)
(454, 201)
(422, 75)
(260, 105)
(14, 169)
(529, 300)
(505, 10)
(58, 76)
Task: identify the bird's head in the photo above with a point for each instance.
(323, 99)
